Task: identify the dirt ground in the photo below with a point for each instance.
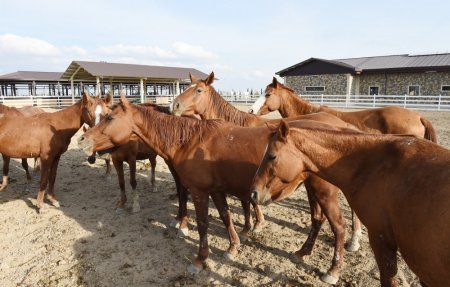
(85, 243)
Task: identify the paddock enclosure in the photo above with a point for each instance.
(86, 243)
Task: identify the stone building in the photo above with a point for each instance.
(381, 75)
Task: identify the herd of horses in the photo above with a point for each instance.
(385, 161)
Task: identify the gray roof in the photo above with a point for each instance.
(385, 63)
(32, 76)
(84, 70)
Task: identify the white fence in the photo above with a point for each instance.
(65, 101)
(435, 103)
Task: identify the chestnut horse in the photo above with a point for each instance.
(204, 154)
(47, 136)
(130, 152)
(398, 185)
(388, 120)
(200, 98)
(12, 111)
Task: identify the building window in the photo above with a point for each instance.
(414, 90)
(373, 90)
(445, 88)
(314, 89)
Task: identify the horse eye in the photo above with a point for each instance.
(109, 118)
(199, 91)
(272, 157)
(267, 95)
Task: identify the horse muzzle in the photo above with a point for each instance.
(262, 198)
(86, 145)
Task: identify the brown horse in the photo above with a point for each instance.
(398, 185)
(132, 151)
(12, 111)
(388, 120)
(47, 136)
(202, 99)
(211, 158)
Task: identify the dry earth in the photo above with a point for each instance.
(85, 243)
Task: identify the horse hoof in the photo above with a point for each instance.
(120, 210)
(228, 255)
(352, 247)
(243, 237)
(175, 223)
(327, 278)
(136, 208)
(183, 232)
(192, 269)
(56, 204)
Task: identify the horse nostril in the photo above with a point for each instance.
(177, 106)
(82, 138)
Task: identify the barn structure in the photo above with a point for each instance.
(143, 81)
(411, 75)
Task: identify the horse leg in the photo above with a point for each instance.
(220, 201)
(182, 220)
(45, 172)
(6, 160)
(108, 169)
(132, 164)
(37, 164)
(386, 256)
(317, 219)
(327, 196)
(244, 234)
(201, 202)
(118, 165)
(260, 222)
(25, 167)
(152, 160)
(51, 182)
(353, 245)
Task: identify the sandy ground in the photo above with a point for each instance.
(85, 243)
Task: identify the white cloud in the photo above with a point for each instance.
(137, 50)
(76, 50)
(13, 44)
(192, 51)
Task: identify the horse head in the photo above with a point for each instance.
(94, 108)
(115, 129)
(270, 101)
(195, 99)
(278, 165)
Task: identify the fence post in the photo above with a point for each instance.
(439, 103)
(321, 100)
(404, 102)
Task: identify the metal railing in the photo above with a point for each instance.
(65, 101)
(423, 102)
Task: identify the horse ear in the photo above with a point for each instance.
(283, 129)
(84, 128)
(193, 78)
(210, 79)
(108, 98)
(123, 100)
(274, 82)
(86, 98)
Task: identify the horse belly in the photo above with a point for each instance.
(19, 146)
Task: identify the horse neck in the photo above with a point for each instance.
(167, 134)
(219, 108)
(341, 158)
(293, 105)
(68, 119)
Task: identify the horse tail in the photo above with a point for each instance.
(430, 133)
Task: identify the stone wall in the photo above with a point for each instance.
(389, 84)
(335, 84)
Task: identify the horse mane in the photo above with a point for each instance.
(159, 108)
(228, 112)
(171, 131)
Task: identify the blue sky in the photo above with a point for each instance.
(243, 42)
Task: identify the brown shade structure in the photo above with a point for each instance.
(127, 73)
